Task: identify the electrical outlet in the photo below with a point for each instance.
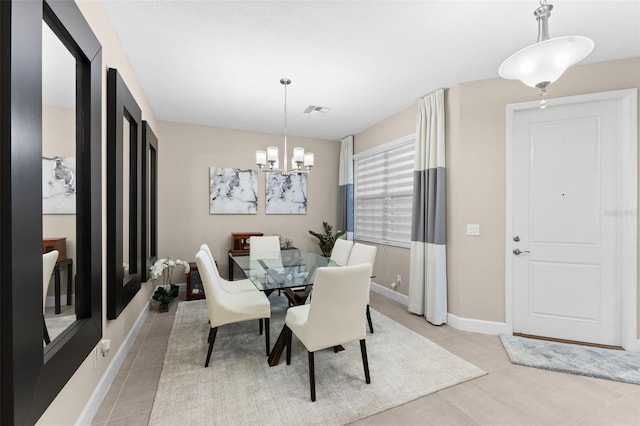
(105, 346)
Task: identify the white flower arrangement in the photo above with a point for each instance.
(167, 263)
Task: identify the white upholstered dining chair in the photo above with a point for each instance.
(48, 263)
(335, 315)
(362, 253)
(265, 247)
(226, 308)
(237, 286)
(340, 251)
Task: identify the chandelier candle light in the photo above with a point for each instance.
(543, 62)
(301, 162)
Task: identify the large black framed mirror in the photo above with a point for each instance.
(124, 189)
(31, 372)
(149, 198)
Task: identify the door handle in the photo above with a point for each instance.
(518, 252)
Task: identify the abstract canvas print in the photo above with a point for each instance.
(58, 185)
(286, 194)
(233, 191)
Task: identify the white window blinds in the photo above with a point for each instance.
(383, 185)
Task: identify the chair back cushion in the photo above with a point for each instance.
(341, 250)
(362, 253)
(212, 261)
(207, 250)
(48, 263)
(210, 283)
(265, 247)
(338, 308)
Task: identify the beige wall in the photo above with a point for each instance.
(71, 400)
(187, 151)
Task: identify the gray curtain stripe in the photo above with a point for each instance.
(428, 214)
(345, 208)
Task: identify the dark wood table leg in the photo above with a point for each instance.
(297, 297)
(230, 267)
(278, 347)
(69, 280)
(56, 270)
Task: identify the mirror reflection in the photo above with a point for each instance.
(151, 199)
(58, 184)
(126, 194)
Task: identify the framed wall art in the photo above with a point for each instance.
(233, 191)
(286, 194)
(59, 185)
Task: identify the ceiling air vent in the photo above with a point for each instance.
(314, 108)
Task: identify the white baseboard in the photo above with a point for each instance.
(92, 406)
(390, 294)
(464, 324)
(478, 326)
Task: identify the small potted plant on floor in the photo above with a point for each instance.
(167, 291)
(328, 239)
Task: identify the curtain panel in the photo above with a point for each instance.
(428, 264)
(345, 183)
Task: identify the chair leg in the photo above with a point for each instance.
(260, 324)
(312, 377)
(47, 340)
(288, 336)
(365, 362)
(209, 337)
(212, 339)
(369, 319)
(266, 334)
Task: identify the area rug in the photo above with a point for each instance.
(239, 388)
(589, 361)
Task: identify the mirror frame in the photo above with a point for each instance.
(31, 375)
(122, 105)
(149, 198)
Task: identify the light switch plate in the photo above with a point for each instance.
(473, 229)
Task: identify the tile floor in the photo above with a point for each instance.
(507, 395)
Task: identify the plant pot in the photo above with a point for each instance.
(164, 307)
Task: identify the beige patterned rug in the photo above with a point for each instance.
(239, 388)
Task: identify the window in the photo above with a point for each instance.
(383, 185)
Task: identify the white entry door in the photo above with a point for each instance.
(568, 207)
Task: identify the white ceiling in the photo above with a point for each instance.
(218, 63)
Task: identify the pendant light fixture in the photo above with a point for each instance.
(301, 162)
(542, 63)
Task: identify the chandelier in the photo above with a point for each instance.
(543, 62)
(301, 162)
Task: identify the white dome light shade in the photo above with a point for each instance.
(544, 62)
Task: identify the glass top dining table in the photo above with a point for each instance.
(293, 268)
(292, 272)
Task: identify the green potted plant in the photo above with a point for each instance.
(285, 243)
(328, 239)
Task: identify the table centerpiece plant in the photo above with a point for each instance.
(328, 239)
(167, 291)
